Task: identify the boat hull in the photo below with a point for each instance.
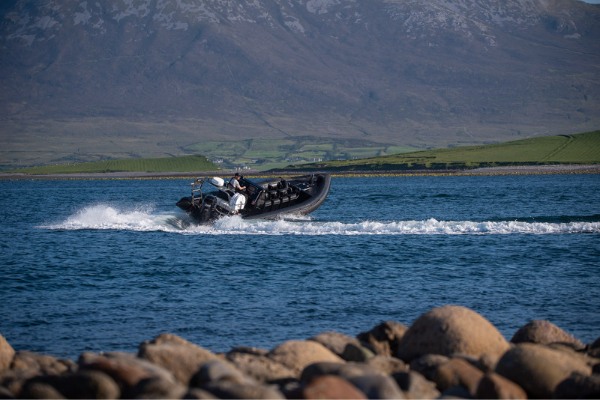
(269, 199)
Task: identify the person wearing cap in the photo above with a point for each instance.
(234, 183)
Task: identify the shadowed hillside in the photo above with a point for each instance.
(85, 81)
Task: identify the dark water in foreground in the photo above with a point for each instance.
(105, 265)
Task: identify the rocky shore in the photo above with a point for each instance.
(448, 352)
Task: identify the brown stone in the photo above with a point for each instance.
(331, 387)
(260, 367)
(428, 364)
(415, 386)
(40, 390)
(544, 332)
(234, 390)
(79, 385)
(539, 369)
(297, 354)
(458, 372)
(495, 386)
(386, 365)
(344, 370)
(218, 370)
(175, 354)
(125, 369)
(158, 388)
(451, 329)
(578, 386)
(384, 338)
(356, 352)
(335, 341)
(6, 354)
(377, 386)
(40, 363)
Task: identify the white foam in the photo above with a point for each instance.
(145, 218)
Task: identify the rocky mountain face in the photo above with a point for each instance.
(149, 77)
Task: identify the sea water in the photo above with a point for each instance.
(103, 265)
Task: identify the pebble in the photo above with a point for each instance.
(450, 351)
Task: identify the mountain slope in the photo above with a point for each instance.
(83, 80)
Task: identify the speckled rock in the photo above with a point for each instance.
(297, 354)
(578, 386)
(331, 387)
(427, 364)
(495, 386)
(458, 372)
(78, 385)
(6, 354)
(451, 329)
(544, 332)
(335, 341)
(260, 367)
(125, 369)
(377, 386)
(344, 370)
(40, 363)
(539, 369)
(386, 365)
(356, 352)
(175, 354)
(384, 338)
(415, 386)
(233, 390)
(218, 370)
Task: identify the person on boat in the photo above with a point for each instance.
(234, 183)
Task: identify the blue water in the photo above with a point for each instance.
(92, 265)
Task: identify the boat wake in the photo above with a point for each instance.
(98, 217)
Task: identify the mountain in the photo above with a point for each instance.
(84, 80)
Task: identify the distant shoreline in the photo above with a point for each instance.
(487, 171)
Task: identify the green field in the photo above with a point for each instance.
(581, 148)
(167, 164)
(289, 154)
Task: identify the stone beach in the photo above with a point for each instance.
(448, 352)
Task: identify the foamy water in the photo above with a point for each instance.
(145, 218)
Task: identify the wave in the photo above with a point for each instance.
(146, 218)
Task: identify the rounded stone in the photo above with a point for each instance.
(6, 354)
(297, 354)
(539, 369)
(449, 330)
(544, 332)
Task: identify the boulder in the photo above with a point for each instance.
(175, 354)
(384, 338)
(356, 352)
(458, 372)
(377, 386)
(40, 363)
(335, 341)
(125, 369)
(578, 386)
(158, 388)
(234, 390)
(451, 329)
(539, 369)
(427, 365)
(345, 370)
(297, 354)
(386, 365)
(260, 367)
(331, 387)
(495, 386)
(78, 385)
(544, 332)
(218, 370)
(415, 386)
(6, 354)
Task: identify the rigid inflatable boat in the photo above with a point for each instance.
(268, 199)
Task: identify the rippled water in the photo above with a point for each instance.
(105, 265)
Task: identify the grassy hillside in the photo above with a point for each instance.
(168, 164)
(581, 148)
